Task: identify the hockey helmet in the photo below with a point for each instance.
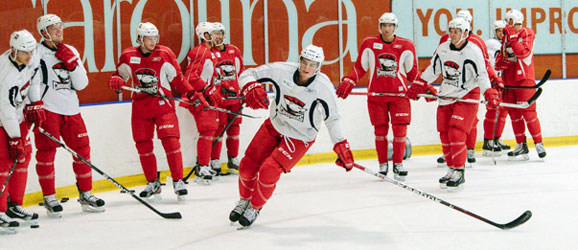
(514, 15)
(465, 14)
(202, 28)
(217, 26)
(313, 53)
(22, 40)
(462, 24)
(44, 21)
(387, 17)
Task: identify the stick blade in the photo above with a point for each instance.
(535, 96)
(175, 215)
(518, 221)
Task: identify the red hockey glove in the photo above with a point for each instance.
(510, 33)
(414, 90)
(17, 149)
(35, 113)
(501, 63)
(491, 96)
(432, 91)
(67, 56)
(499, 84)
(345, 87)
(345, 157)
(116, 82)
(255, 96)
(200, 103)
(214, 95)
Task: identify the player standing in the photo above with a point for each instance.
(462, 66)
(19, 97)
(62, 74)
(228, 65)
(517, 63)
(391, 61)
(154, 69)
(303, 99)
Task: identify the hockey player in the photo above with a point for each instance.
(464, 76)
(478, 41)
(303, 98)
(391, 62)
(62, 74)
(492, 143)
(199, 74)
(153, 68)
(19, 97)
(517, 64)
(228, 65)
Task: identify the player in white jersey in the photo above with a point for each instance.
(304, 98)
(464, 76)
(62, 74)
(19, 98)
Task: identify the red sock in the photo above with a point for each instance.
(83, 172)
(174, 156)
(381, 142)
(248, 173)
(399, 133)
(204, 147)
(233, 140)
(148, 160)
(458, 148)
(45, 170)
(269, 175)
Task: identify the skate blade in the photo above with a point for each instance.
(456, 189)
(469, 165)
(491, 153)
(201, 181)
(55, 215)
(398, 177)
(443, 186)
(28, 223)
(441, 165)
(155, 198)
(181, 198)
(523, 157)
(243, 227)
(8, 230)
(91, 209)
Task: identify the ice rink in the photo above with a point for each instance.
(323, 207)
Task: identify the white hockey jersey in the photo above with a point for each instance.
(18, 85)
(58, 85)
(494, 46)
(462, 70)
(297, 111)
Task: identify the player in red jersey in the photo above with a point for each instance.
(154, 69)
(517, 63)
(228, 65)
(391, 62)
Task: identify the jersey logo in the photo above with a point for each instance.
(156, 59)
(377, 46)
(226, 70)
(135, 60)
(147, 80)
(452, 73)
(63, 76)
(397, 46)
(293, 108)
(387, 65)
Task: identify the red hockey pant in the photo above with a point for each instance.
(17, 184)
(232, 133)
(380, 113)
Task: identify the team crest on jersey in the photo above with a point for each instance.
(293, 108)
(147, 79)
(63, 76)
(17, 95)
(388, 65)
(452, 73)
(226, 70)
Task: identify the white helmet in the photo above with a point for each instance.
(44, 21)
(313, 53)
(202, 28)
(146, 29)
(22, 40)
(465, 14)
(499, 24)
(217, 26)
(387, 17)
(514, 15)
(459, 23)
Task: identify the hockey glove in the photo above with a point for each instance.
(115, 82)
(501, 63)
(35, 113)
(492, 98)
(255, 96)
(432, 91)
(345, 157)
(200, 103)
(415, 89)
(499, 83)
(510, 33)
(345, 87)
(214, 95)
(67, 56)
(17, 149)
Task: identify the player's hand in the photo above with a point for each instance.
(415, 89)
(510, 33)
(345, 87)
(200, 103)
(214, 95)
(492, 98)
(499, 83)
(17, 149)
(255, 96)
(67, 56)
(430, 89)
(115, 82)
(501, 63)
(34, 113)
(345, 157)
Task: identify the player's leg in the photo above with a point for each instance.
(379, 117)
(207, 123)
(142, 133)
(400, 117)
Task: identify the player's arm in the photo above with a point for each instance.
(121, 75)
(78, 76)
(360, 67)
(410, 65)
(256, 97)
(520, 41)
(9, 93)
(430, 74)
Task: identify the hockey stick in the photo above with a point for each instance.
(15, 163)
(180, 100)
(378, 94)
(516, 222)
(540, 83)
(226, 127)
(175, 215)
(503, 104)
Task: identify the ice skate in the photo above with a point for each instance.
(152, 191)
(471, 155)
(90, 203)
(456, 182)
(501, 144)
(520, 153)
(239, 209)
(233, 165)
(8, 224)
(383, 168)
(180, 189)
(249, 216)
(15, 211)
(444, 180)
(399, 172)
(53, 207)
(490, 148)
(441, 161)
(540, 150)
(215, 167)
(203, 175)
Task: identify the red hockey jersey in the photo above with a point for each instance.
(201, 68)
(228, 66)
(520, 54)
